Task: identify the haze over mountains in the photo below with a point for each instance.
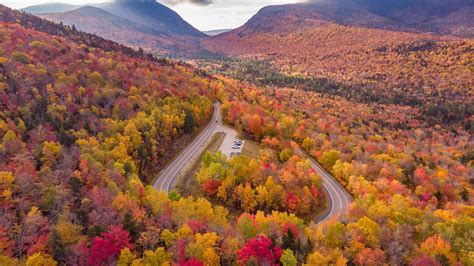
(404, 52)
(153, 26)
(432, 16)
(154, 15)
(50, 8)
(453, 17)
(145, 24)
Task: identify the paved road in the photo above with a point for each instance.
(164, 181)
(166, 178)
(339, 199)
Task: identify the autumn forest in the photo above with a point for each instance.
(87, 124)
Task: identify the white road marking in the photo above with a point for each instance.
(338, 196)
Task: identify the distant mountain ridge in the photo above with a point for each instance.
(146, 24)
(155, 27)
(452, 17)
(423, 7)
(107, 25)
(345, 41)
(445, 17)
(216, 32)
(153, 15)
(280, 18)
(89, 14)
(50, 8)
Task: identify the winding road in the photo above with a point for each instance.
(338, 198)
(166, 178)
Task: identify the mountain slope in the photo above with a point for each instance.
(351, 45)
(50, 8)
(420, 16)
(288, 17)
(98, 21)
(153, 15)
(148, 13)
(148, 25)
(458, 23)
(453, 17)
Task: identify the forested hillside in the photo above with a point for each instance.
(50, 8)
(441, 17)
(83, 129)
(412, 183)
(85, 124)
(416, 16)
(139, 24)
(431, 72)
(112, 27)
(90, 40)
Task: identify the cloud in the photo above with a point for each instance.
(197, 2)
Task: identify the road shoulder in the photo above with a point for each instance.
(185, 183)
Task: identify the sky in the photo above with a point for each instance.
(202, 14)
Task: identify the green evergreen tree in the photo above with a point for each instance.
(58, 250)
(189, 122)
(130, 225)
(288, 241)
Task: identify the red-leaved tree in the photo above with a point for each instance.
(192, 262)
(261, 250)
(105, 250)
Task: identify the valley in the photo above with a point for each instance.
(120, 125)
(400, 68)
